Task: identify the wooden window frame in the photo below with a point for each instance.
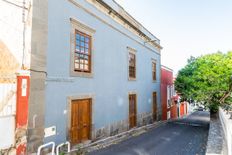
(132, 51)
(154, 71)
(84, 53)
(83, 29)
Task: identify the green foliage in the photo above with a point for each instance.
(206, 79)
(213, 107)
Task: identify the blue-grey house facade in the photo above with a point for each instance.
(102, 71)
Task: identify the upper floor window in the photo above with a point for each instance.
(131, 63)
(154, 71)
(81, 63)
(82, 58)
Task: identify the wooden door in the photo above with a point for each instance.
(132, 111)
(80, 120)
(154, 99)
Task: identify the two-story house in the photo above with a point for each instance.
(94, 71)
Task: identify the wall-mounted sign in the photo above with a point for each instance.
(50, 131)
(24, 87)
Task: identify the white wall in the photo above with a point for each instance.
(7, 131)
(11, 28)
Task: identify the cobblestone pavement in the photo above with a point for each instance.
(216, 139)
(182, 137)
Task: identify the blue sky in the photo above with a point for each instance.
(185, 27)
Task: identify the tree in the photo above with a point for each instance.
(207, 79)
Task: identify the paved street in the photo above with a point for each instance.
(182, 137)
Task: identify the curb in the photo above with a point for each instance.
(215, 138)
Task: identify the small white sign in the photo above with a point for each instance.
(24, 87)
(50, 131)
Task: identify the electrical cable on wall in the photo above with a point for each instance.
(24, 8)
(38, 71)
(13, 3)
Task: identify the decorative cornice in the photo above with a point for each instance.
(125, 20)
(74, 2)
(82, 26)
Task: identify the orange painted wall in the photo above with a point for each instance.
(174, 111)
(183, 109)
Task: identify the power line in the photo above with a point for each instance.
(23, 7)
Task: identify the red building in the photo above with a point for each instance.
(169, 104)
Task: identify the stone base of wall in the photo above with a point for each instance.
(121, 126)
(144, 119)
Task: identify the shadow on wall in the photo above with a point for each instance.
(8, 68)
(8, 63)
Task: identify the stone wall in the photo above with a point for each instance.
(121, 126)
(227, 128)
(35, 134)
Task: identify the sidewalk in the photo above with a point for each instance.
(216, 144)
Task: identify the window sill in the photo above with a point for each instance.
(131, 79)
(81, 74)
